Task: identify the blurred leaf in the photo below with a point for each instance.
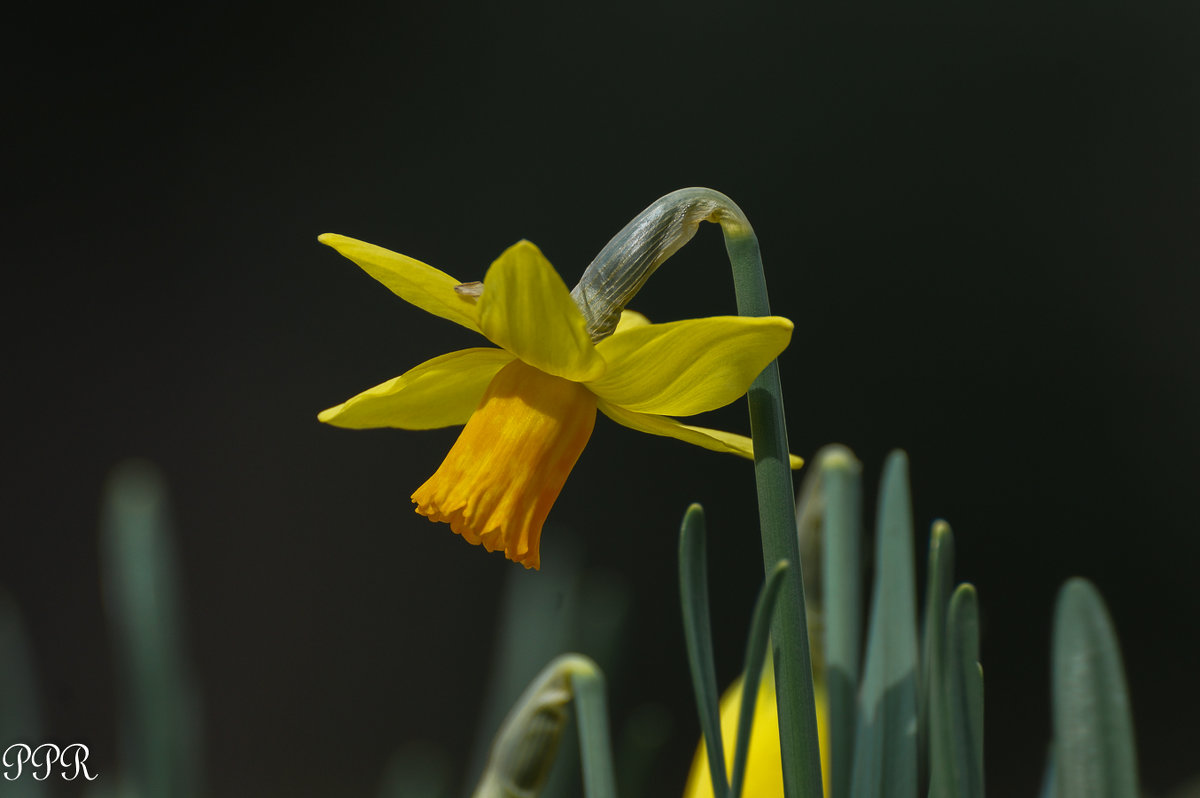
(159, 711)
(936, 725)
(20, 720)
(417, 769)
(885, 755)
(1093, 726)
(595, 747)
(543, 613)
(841, 535)
(596, 622)
(964, 693)
(537, 611)
(1050, 777)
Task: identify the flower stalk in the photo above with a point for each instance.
(777, 512)
(611, 280)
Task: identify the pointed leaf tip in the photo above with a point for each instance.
(1093, 723)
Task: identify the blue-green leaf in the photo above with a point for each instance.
(936, 724)
(1050, 777)
(1093, 726)
(697, 628)
(160, 715)
(885, 755)
(595, 746)
(20, 717)
(964, 693)
(841, 552)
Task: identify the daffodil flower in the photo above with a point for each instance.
(529, 405)
(764, 763)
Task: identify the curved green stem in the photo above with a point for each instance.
(612, 279)
(777, 514)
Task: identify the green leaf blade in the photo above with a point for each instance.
(1093, 726)
(936, 724)
(885, 757)
(595, 746)
(160, 713)
(964, 697)
(796, 702)
(697, 628)
(841, 551)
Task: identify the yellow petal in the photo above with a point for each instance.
(527, 309)
(497, 484)
(630, 319)
(417, 283)
(441, 392)
(713, 439)
(686, 367)
(764, 766)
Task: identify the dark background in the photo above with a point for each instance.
(982, 222)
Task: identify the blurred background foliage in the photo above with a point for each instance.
(982, 222)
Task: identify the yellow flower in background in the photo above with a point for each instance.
(530, 405)
(764, 765)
